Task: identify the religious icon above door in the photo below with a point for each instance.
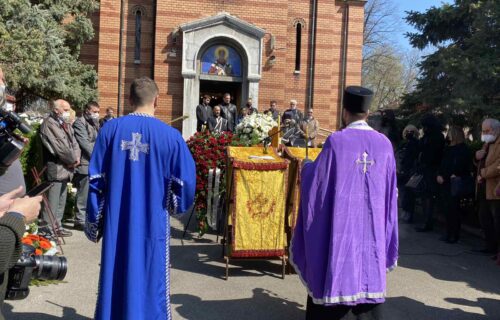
(221, 60)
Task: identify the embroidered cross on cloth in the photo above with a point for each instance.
(365, 162)
(135, 146)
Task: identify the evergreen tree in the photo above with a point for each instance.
(462, 77)
(40, 45)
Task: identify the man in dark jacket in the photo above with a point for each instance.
(273, 109)
(217, 123)
(15, 212)
(86, 128)
(62, 156)
(229, 112)
(203, 113)
(431, 151)
(107, 117)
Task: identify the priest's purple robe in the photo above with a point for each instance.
(346, 238)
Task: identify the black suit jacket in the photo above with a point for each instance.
(212, 122)
(230, 113)
(202, 115)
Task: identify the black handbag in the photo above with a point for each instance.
(416, 183)
(462, 186)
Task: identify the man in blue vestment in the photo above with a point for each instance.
(346, 236)
(141, 171)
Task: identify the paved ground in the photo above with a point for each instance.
(435, 281)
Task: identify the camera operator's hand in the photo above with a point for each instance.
(7, 199)
(28, 207)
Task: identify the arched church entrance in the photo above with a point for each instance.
(221, 70)
(221, 53)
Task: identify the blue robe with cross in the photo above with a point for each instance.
(141, 171)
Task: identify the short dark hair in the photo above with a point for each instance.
(356, 116)
(226, 94)
(91, 104)
(207, 97)
(273, 101)
(110, 109)
(143, 91)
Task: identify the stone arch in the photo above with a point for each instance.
(198, 36)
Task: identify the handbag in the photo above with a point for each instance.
(416, 183)
(462, 186)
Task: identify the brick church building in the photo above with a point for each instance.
(264, 50)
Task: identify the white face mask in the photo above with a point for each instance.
(488, 138)
(8, 107)
(65, 116)
(94, 116)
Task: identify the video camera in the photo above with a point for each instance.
(11, 145)
(30, 266)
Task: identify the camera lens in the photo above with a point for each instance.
(50, 268)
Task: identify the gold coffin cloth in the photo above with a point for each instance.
(258, 194)
(296, 157)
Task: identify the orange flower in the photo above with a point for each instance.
(27, 241)
(44, 244)
(38, 252)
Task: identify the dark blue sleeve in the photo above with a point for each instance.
(182, 180)
(97, 186)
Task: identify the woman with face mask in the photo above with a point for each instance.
(455, 179)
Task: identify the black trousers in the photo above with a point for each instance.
(341, 312)
(407, 200)
(453, 212)
(489, 217)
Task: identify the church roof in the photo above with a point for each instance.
(224, 18)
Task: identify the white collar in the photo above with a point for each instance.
(359, 125)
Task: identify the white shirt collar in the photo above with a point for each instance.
(359, 125)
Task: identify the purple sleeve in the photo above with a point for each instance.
(392, 239)
(316, 201)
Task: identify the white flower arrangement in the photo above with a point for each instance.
(254, 128)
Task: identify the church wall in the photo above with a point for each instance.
(89, 53)
(278, 80)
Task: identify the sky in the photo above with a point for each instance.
(413, 5)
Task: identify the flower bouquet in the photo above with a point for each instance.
(253, 129)
(42, 245)
(209, 152)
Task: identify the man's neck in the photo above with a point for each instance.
(146, 110)
(354, 122)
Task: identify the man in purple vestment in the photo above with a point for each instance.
(346, 238)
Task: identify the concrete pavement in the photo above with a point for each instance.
(435, 281)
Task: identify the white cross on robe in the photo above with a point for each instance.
(135, 146)
(365, 162)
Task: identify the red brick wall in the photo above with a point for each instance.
(278, 81)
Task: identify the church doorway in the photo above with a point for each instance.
(217, 89)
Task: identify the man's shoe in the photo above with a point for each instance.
(64, 233)
(78, 226)
(42, 223)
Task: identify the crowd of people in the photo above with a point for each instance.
(299, 129)
(440, 167)
(140, 155)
